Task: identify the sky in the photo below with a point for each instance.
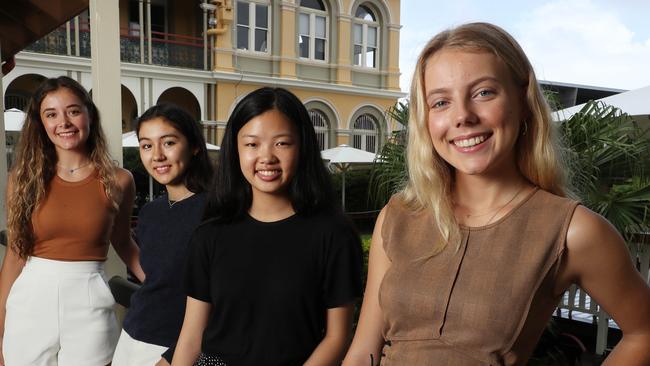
(604, 43)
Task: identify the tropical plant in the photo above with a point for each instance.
(607, 154)
(389, 172)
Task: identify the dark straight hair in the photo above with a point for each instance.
(199, 171)
(310, 190)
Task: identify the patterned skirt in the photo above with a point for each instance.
(209, 360)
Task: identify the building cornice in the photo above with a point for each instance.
(306, 84)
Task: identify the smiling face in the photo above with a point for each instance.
(164, 151)
(475, 110)
(268, 148)
(66, 120)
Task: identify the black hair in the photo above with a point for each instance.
(310, 190)
(199, 171)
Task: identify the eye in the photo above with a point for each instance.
(169, 143)
(439, 104)
(250, 144)
(283, 143)
(485, 93)
(50, 114)
(145, 146)
(74, 112)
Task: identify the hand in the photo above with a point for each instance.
(2, 358)
(162, 362)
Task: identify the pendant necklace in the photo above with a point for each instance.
(172, 203)
(498, 209)
(72, 170)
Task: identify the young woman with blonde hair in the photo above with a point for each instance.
(66, 201)
(468, 262)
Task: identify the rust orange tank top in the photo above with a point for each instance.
(484, 304)
(74, 221)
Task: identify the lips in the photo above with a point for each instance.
(470, 141)
(268, 174)
(66, 134)
(162, 169)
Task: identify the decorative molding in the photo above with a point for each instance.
(307, 84)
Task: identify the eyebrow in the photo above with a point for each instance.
(52, 108)
(471, 84)
(161, 137)
(276, 136)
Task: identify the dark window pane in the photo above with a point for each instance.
(262, 16)
(313, 4)
(357, 54)
(242, 37)
(319, 53)
(242, 13)
(304, 46)
(365, 13)
(260, 40)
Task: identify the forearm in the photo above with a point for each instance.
(12, 266)
(187, 351)
(632, 350)
(129, 253)
(330, 351)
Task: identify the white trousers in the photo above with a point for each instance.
(60, 313)
(132, 352)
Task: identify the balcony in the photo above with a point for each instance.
(167, 49)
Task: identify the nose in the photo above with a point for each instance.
(464, 114)
(267, 155)
(158, 153)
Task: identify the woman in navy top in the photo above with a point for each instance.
(173, 151)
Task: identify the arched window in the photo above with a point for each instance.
(319, 120)
(365, 133)
(366, 37)
(313, 30)
(253, 19)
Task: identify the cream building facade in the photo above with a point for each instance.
(340, 57)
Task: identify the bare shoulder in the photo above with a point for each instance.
(590, 231)
(124, 178)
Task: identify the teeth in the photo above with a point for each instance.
(66, 134)
(267, 173)
(470, 141)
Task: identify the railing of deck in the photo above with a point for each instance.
(576, 299)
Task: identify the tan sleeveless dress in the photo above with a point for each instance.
(484, 304)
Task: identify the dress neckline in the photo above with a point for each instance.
(504, 217)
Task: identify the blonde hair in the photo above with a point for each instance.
(430, 178)
(36, 164)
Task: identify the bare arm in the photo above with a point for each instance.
(12, 266)
(368, 339)
(188, 346)
(598, 261)
(332, 348)
(121, 235)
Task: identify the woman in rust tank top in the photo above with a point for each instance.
(66, 202)
(469, 260)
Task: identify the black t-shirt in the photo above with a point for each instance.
(270, 284)
(163, 234)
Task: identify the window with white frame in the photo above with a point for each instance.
(365, 31)
(365, 133)
(313, 30)
(253, 21)
(321, 126)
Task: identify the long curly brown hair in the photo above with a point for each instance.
(36, 161)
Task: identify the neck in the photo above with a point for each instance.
(482, 192)
(177, 192)
(72, 159)
(269, 208)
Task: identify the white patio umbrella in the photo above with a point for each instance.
(343, 157)
(130, 139)
(635, 102)
(14, 119)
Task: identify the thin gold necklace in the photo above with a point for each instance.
(73, 170)
(499, 208)
(172, 203)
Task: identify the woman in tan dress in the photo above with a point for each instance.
(468, 262)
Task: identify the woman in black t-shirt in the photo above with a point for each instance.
(273, 271)
(173, 151)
